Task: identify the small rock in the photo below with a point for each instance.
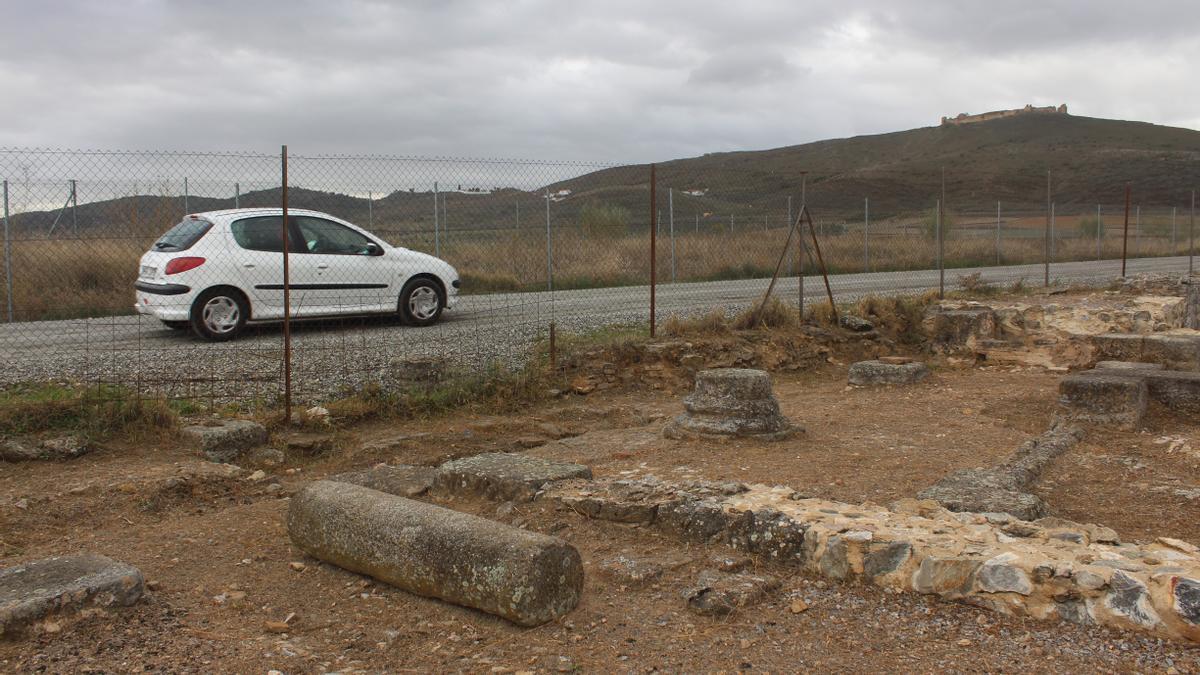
(256, 476)
(964, 643)
(298, 566)
(798, 605)
(275, 626)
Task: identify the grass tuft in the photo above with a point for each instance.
(94, 411)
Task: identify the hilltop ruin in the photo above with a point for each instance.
(964, 118)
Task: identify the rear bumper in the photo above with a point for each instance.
(166, 302)
(161, 289)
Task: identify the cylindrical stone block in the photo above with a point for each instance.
(525, 577)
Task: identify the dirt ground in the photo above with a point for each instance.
(214, 548)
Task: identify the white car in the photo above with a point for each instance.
(215, 271)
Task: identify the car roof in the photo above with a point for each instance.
(225, 214)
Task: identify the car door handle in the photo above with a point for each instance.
(248, 265)
(322, 266)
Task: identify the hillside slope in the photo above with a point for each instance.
(1090, 161)
(1005, 160)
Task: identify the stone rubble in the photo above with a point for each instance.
(1050, 569)
(732, 402)
(718, 594)
(50, 449)
(1004, 488)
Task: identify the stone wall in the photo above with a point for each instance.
(1049, 569)
(964, 118)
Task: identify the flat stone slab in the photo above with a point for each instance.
(1125, 366)
(1177, 390)
(865, 373)
(1174, 351)
(225, 440)
(401, 480)
(1103, 398)
(503, 476)
(41, 589)
(525, 577)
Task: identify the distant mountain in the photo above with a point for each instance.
(1090, 160)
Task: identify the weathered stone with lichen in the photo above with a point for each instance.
(525, 577)
(732, 402)
(400, 479)
(503, 476)
(41, 589)
(225, 440)
(1049, 569)
(878, 372)
(1004, 488)
(1104, 397)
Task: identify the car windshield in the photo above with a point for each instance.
(182, 236)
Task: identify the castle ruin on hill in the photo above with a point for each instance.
(964, 118)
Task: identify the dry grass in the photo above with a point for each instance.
(773, 314)
(94, 411)
(93, 277)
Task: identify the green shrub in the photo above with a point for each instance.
(603, 220)
(1090, 225)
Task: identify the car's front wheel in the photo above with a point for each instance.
(421, 302)
(219, 314)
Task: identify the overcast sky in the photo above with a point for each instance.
(602, 81)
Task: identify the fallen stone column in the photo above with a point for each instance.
(525, 577)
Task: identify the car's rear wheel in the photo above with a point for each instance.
(177, 325)
(219, 314)
(421, 302)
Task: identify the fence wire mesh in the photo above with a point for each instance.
(524, 244)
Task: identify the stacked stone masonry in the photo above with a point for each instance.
(732, 402)
(1048, 569)
(1119, 393)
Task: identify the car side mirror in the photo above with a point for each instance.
(373, 249)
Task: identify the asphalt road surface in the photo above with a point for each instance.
(333, 356)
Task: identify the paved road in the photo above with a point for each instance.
(331, 356)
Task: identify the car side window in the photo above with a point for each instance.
(326, 236)
(262, 233)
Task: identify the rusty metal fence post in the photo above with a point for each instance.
(287, 297)
(8, 274)
(653, 243)
(1125, 234)
(1046, 245)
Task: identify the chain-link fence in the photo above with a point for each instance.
(162, 274)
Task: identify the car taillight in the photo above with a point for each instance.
(178, 265)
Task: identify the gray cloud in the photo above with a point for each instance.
(607, 81)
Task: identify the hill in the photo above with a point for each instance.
(1090, 161)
